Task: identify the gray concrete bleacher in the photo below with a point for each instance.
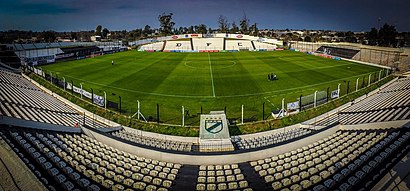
(390, 104)
(75, 161)
(22, 99)
(154, 142)
(270, 139)
(337, 162)
(221, 177)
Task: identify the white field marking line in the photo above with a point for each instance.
(212, 78)
(270, 102)
(207, 96)
(193, 67)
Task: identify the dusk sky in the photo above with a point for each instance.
(76, 15)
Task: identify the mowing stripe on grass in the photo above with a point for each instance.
(212, 78)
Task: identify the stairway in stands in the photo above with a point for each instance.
(255, 182)
(186, 178)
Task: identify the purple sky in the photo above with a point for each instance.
(75, 15)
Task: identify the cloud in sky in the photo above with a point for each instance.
(73, 15)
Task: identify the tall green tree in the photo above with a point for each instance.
(105, 32)
(166, 24)
(244, 24)
(146, 31)
(234, 28)
(387, 36)
(201, 29)
(253, 29)
(223, 24)
(373, 36)
(98, 30)
(191, 29)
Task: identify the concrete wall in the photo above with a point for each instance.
(207, 159)
(5, 120)
(384, 56)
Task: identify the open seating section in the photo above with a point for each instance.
(269, 140)
(65, 161)
(208, 44)
(341, 161)
(238, 45)
(346, 160)
(340, 52)
(390, 104)
(263, 46)
(178, 45)
(221, 177)
(154, 142)
(21, 99)
(400, 85)
(157, 46)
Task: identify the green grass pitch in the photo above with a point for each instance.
(212, 81)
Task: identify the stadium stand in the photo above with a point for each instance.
(269, 140)
(21, 99)
(74, 161)
(263, 46)
(177, 45)
(336, 51)
(10, 58)
(158, 46)
(340, 161)
(208, 43)
(390, 104)
(154, 142)
(239, 45)
(221, 177)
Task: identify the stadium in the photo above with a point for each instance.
(204, 111)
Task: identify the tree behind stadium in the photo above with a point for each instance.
(166, 24)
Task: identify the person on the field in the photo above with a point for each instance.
(112, 62)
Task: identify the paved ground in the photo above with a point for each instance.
(14, 173)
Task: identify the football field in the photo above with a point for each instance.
(211, 81)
